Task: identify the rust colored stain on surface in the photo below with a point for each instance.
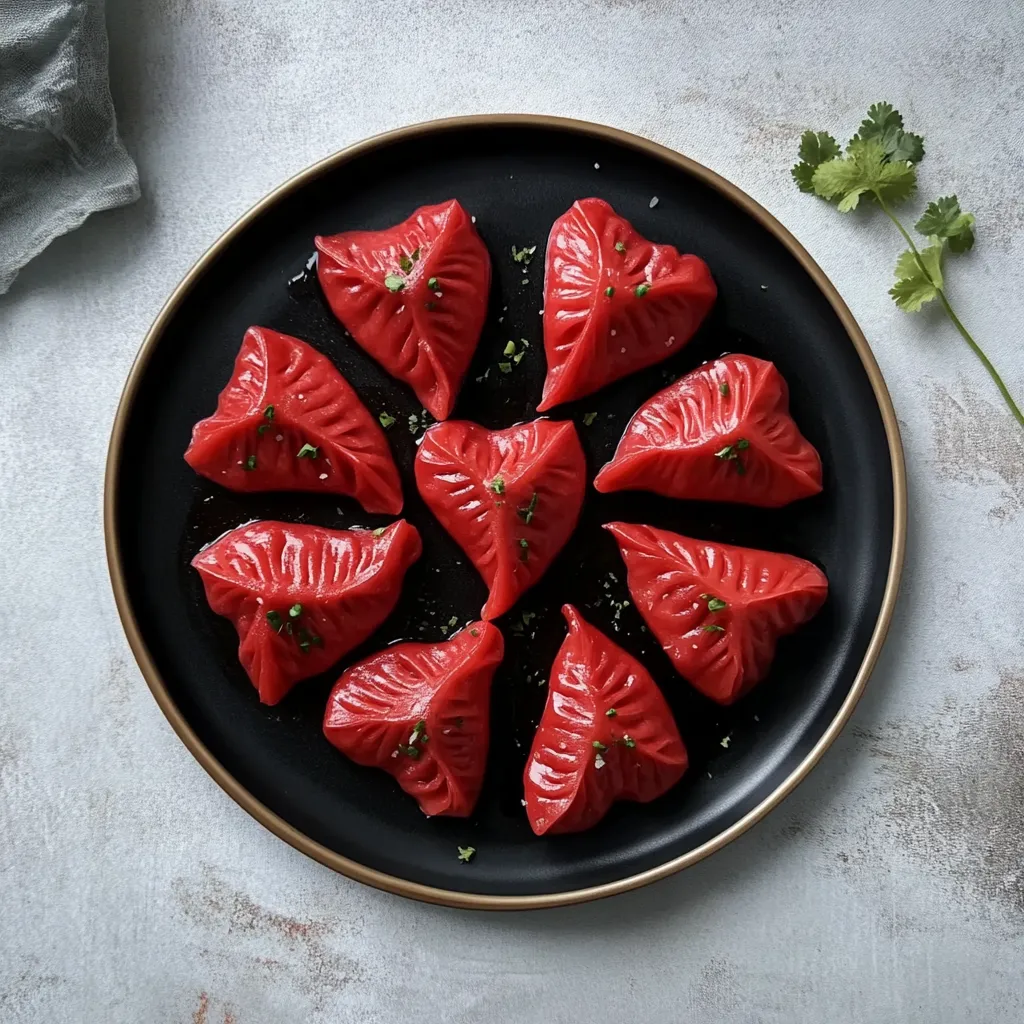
(273, 948)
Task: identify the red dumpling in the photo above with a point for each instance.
(606, 734)
(721, 433)
(421, 712)
(414, 296)
(716, 609)
(614, 303)
(510, 498)
(301, 597)
(289, 421)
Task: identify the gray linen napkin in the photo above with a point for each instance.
(60, 155)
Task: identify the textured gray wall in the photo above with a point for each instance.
(889, 888)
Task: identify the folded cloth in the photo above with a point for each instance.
(60, 155)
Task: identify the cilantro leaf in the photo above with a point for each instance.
(815, 149)
(864, 169)
(908, 147)
(944, 219)
(918, 281)
(885, 126)
(881, 119)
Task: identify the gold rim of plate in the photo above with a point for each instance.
(293, 836)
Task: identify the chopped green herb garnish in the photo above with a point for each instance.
(528, 617)
(620, 246)
(611, 712)
(453, 621)
(731, 451)
(518, 358)
(288, 627)
(716, 604)
(405, 262)
(526, 514)
(275, 620)
(505, 367)
(380, 530)
(588, 418)
(295, 611)
(432, 283)
(474, 632)
(524, 545)
(409, 750)
(394, 282)
(598, 745)
(498, 485)
(609, 291)
(262, 429)
(510, 348)
(523, 255)
(466, 853)
(268, 413)
(723, 389)
(628, 741)
(308, 451)
(641, 290)
(250, 463)
(713, 629)
(387, 421)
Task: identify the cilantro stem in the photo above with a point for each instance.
(954, 319)
(976, 349)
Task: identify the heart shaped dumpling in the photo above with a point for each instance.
(721, 433)
(717, 610)
(510, 498)
(414, 296)
(288, 421)
(606, 734)
(301, 597)
(421, 712)
(614, 303)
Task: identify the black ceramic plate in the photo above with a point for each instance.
(516, 175)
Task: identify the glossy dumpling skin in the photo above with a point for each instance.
(721, 433)
(658, 298)
(301, 597)
(284, 397)
(583, 759)
(414, 296)
(421, 712)
(717, 609)
(510, 498)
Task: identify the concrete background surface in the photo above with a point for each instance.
(889, 888)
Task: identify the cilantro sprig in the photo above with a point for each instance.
(880, 165)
